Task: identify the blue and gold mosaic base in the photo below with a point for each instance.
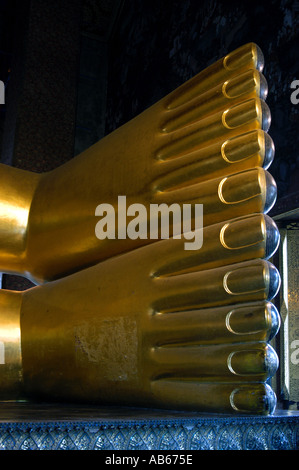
(75, 428)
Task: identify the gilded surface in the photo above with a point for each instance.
(137, 321)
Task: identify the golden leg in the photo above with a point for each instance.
(206, 143)
(16, 194)
(120, 333)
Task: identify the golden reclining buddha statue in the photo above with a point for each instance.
(141, 320)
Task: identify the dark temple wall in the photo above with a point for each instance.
(158, 45)
(41, 97)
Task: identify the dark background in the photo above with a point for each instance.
(77, 69)
(159, 45)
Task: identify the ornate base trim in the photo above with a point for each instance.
(49, 427)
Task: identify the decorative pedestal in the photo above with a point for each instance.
(50, 427)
